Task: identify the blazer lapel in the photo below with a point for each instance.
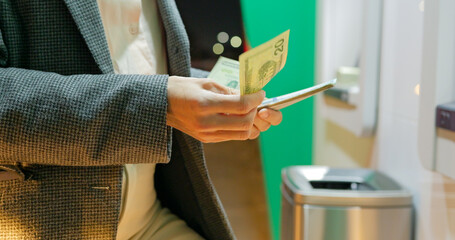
(86, 15)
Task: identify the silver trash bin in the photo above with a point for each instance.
(322, 203)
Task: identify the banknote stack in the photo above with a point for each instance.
(255, 67)
(226, 72)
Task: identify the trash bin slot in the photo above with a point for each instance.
(341, 185)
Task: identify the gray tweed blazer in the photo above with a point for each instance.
(68, 124)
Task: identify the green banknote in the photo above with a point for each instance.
(226, 72)
(260, 64)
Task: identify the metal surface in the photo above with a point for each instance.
(355, 223)
(384, 191)
(321, 203)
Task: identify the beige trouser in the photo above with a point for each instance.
(142, 217)
(166, 225)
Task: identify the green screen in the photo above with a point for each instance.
(291, 142)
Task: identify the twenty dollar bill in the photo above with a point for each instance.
(262, 63)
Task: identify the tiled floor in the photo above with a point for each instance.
(236, 170)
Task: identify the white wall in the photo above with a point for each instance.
(394, 148)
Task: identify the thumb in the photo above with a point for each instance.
(256, 98)
(239, 104)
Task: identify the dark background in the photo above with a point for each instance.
(203, 20)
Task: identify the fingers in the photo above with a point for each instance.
(212, 86)
(234, 91)
(223, 99)
(254, 133)
(253, 122)
(229, 122)
(218, 88)
(220, 136)
(236, 104)
(271, 116)
(264, 119)
(261, 124)
(211, 112)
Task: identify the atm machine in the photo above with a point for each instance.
(348, 48)
(437, 89)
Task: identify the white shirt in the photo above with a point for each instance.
(137, 46)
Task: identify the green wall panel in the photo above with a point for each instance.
(291, 142)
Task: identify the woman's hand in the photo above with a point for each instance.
(263, 120)
(211, 112)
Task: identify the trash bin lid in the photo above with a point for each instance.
(320, 185)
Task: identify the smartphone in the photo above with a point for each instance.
(283, 101)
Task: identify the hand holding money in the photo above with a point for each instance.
(209, 111)
(257, 67)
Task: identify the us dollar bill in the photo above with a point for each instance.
(226, 72)
(260, 64)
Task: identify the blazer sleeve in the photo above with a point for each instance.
(81, 120)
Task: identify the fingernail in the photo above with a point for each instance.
(264, 114)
